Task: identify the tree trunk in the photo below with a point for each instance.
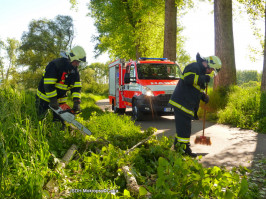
(224, 43)
(170, 29)
(263, 80)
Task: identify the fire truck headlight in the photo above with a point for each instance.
(147, 91)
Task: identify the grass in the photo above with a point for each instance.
(30, 150)
(239, 106)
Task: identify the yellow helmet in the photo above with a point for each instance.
(77, 53)
(214, 62)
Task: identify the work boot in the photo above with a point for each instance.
(185, 149)
(188, 151)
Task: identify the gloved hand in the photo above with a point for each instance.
(76, 105)
(53, 103)
(207, 78)
(205, 98)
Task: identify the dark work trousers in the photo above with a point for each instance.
(42, 108)
(183, 126)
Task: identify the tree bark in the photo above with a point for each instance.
(224, 43)
(170, 29)
(263, 80)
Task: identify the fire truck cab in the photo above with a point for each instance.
(145, 85)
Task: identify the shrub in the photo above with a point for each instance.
(218, 101)
(243, 108)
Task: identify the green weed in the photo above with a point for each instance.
(30, 150)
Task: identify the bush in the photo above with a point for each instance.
(218, 101)
(243, 108)
(246, 76)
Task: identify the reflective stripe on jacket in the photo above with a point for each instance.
(189, 89)
(59, 77)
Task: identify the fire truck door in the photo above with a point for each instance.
(117, 86)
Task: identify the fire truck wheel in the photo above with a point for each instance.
(119, 110)
(137, 114)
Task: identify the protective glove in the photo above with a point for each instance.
(53, 103)
(205, 98)
(207, 78)
(76, 105)
(196, 117)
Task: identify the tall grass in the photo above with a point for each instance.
(240, 106)
(26, 145)
(243, 108)
(24, 150)
(30, 149)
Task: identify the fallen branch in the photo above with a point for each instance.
(132, 183)
(136, 145)
(52, 185)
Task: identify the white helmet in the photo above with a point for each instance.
(77, 53)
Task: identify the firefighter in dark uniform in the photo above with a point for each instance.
(61, 75)
(187, 95)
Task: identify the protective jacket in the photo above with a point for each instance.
(59, 77)
(190, 89)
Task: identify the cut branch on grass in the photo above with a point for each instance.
(136, 145)
(132, 183)
(52, 185)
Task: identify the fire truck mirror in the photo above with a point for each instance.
(127, 78)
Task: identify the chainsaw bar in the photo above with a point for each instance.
(70, 118)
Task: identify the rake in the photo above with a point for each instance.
(203, 139)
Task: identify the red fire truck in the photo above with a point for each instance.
(145, 85)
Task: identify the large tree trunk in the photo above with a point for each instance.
(263, 80)
(224, 43)
(170, 30)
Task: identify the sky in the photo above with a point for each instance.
(15, 16)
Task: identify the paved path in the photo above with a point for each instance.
(230, 146)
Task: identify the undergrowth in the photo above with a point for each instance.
(240, 106)
(31, 149)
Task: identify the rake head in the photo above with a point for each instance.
(202, 140)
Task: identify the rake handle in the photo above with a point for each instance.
(204, 113)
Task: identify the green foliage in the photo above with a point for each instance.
(185, 178)
(30, 79)
(44, 41)
(94, 78)
(246, 76)
(27, 147)
(135, 31)
(119, 130)
(218, 101)
(88, 105)
(132, 38)
(167, 174)
(8, 61)
(244, 112)
(30, 150)
(262, 121)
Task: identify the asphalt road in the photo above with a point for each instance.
(230, 146)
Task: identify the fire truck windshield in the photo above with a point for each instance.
(158, 71)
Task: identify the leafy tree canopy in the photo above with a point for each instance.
(44, 40)
(128, 28)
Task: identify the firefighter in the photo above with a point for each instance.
(187, 95)
(60, 76)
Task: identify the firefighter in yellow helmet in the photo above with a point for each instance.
(61, 75)
(187, 95)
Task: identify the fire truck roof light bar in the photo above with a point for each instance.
(143, 58)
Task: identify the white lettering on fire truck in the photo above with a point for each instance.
(163, 83)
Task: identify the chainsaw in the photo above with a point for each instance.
(67, 114)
